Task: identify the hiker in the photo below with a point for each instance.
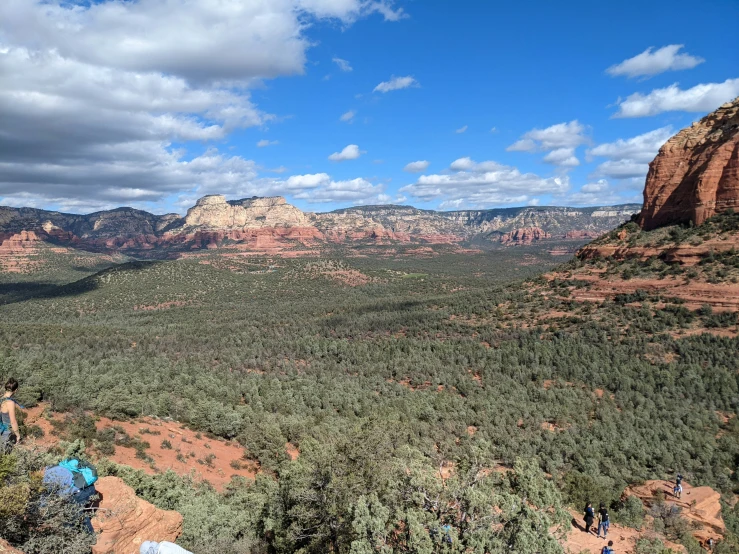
(678, 479)
(589, 517)
(710, 544)
(677, 492)
(8, 421)
(152, 547)
(75, 480)
(603, 521)
(608, 549)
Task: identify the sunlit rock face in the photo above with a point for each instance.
(696, 173)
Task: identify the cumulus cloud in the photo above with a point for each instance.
(343, 64)
(264, 142)
(93, 95)
(559, 140)
(700, 98)
(416, 167)
(348, 117)
(563, 157)
(461, 130)
(601, 193)
(396, 83)
(483, 184)
(561, 135)
(652, 62)
(629, 158)
(350, 152)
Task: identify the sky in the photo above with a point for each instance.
(440, 104)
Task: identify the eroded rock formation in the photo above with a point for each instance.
(124, 520)
(271, 226)
(526, 235)
(696, 173)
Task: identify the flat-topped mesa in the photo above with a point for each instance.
(696, 173)
(215, 212)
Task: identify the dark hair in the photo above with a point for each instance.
(11, 385)
(610, 543)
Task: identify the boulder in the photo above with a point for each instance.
(124, 521)
(696, 173)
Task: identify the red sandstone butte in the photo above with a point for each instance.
(696, 173)
(524, 235)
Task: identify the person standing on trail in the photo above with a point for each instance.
(8, 421)
(608, 549)
(589, 517)
(678, 479)
(603, 521)
(677, 492)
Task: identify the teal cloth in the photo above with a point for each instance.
(74, 467)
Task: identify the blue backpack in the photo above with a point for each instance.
(71, 477)
(607, 550)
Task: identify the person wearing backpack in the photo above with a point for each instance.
(608, 549)
(603, 521)
(8, 421)
(677, 492)
(589, 517)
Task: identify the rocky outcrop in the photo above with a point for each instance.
(527, 235)
(124, 520)
(271, 226)
(215, 212)
(700, 506)
(696, 173)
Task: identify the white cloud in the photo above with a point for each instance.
(348, 117)
(642, 148)
(601, 193)
(700, 98)
(350, 152)
(343, 64)
(264, 142)
(396, 83)
(494, 130)
(94, 94)
(356, 191)
(483, 184)
(563, 157)
(652, 62)
(416, 167)
(461, 130)
(559, 140)
(629, 158)
(561, 135)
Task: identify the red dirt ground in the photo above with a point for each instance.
(183, 440)
(624, 538)
(700, 506)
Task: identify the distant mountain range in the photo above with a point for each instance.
(272, 226)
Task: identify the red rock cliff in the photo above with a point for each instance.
(696, 173)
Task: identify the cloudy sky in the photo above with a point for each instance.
(332, 103)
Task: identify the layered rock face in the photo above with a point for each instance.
(271, 226)
(696, 173)
(215, 212)
(124, 520)
(526, 235)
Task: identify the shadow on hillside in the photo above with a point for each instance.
(14, 293)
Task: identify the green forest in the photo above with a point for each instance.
(468, 361)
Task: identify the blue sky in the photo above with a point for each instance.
(157, 102)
